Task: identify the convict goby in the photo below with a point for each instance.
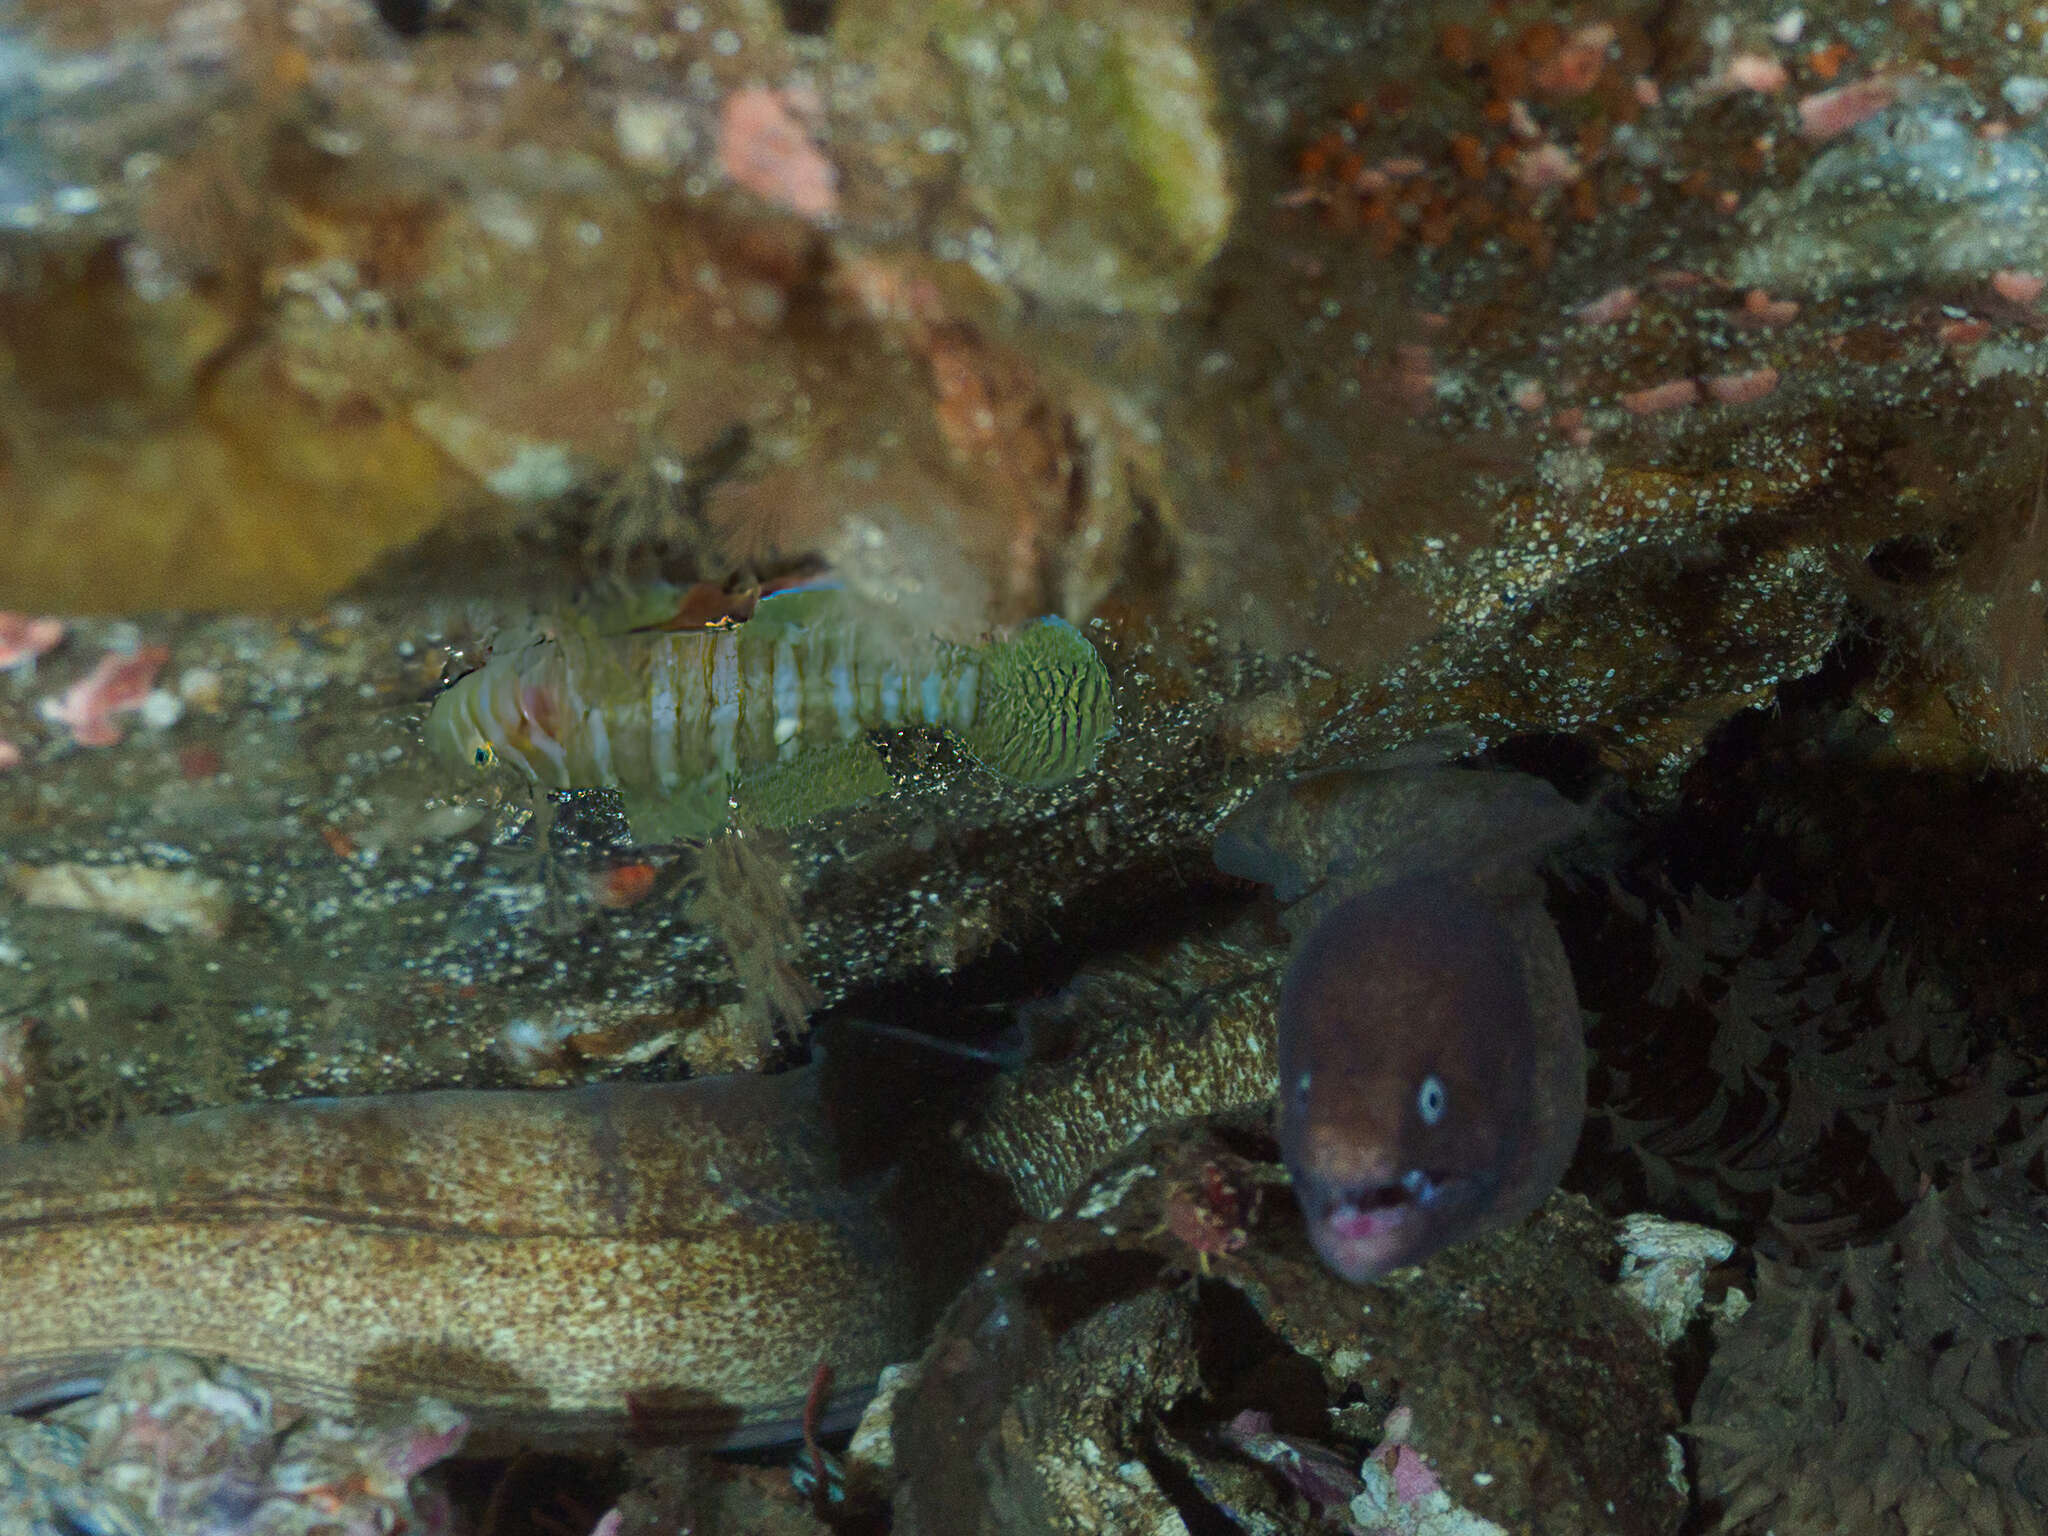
(773, 711)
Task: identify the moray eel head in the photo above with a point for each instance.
(1405, 1073)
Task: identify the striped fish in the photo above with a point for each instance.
(774, 711)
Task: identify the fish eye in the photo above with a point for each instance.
(485, 754)
(1431, 1099)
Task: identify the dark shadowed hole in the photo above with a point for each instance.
(1248, 1135)
(985, 1002)
(1910, 560)
(408, 18)
(1151, 563)
(807, 18)
(1197, 1512)
(1570, 763)
(533, 1494)
(1245, 1364)
(1065, 1294)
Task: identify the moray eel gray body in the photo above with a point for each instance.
(1431, 1057)
(675, 1258)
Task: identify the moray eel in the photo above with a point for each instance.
(773, 709)
(672, 1258)
(1431, 1057)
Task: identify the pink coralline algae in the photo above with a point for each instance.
(1754, 72)
(1829, 114)
(1761, 312)
(1575, 68)
(765, 149)
(2017, 287)
(1667, 396)
(23, 638)
(179, 1448)
(1547, 165)
(1403, 1496)
(1413, 1477)
(1615, 304)
(1742, 388)
(118, 685)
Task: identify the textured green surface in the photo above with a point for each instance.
(1046, 706)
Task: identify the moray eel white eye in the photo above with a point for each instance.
(1431, 1099)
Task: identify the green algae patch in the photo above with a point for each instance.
(1089, 169)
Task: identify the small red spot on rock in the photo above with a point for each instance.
(1760, 311)
(763, 147)
(2017, 287)
(24, 638)
(117, 685)
(1546, 165)
(1415, 375)
(1613, 305)
(1742, 388)
(1667, 396)
(624, 885)
(1826, 63)
(1757, 72)
(1827, 114)
(1575, 68)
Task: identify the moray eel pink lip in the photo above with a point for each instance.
(1372, 1226)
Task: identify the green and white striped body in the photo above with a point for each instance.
(778, 707)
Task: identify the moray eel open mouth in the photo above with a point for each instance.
(1364, 1229)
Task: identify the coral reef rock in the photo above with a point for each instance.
(1088, 1378)
(173, 1446)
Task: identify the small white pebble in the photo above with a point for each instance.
(2025, 94)
(161, 710)
(200, 688)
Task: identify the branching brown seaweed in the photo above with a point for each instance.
(1776, 1072)
(1896, 1388)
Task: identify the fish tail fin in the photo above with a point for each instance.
(1045, 706)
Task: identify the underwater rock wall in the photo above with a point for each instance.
(1646, 395)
